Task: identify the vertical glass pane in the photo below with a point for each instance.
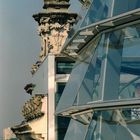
(99, 10)
(125, 6)
(89, 88)
(119, 124)
(60, 88)
(62, 125)
(111, 65)
(61, 122)
(96, 95)
(130, 67)
(121, 65)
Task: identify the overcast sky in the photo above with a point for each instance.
(19, 49)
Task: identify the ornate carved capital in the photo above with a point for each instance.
(52, 37)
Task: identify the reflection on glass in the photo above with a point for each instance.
(122, 63)
(131, 89)
(114, 69)
(60, 88)
(89, 88)
(62, 125)
(119, 124)
(99, 10)
(127, 5)
(130, 65)
(61, 122)
(96, 95)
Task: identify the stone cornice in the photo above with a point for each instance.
(55, 16)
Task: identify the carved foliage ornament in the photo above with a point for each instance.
(53, 36)
(32, 108)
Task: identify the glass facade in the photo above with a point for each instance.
(89, 88)
(128, 41)
(60, 88)
(99, 10)
(127, 5)
(116, 59)
(117, 124)
(103, 9)
(107, 72)
(61, 127)
(61, 122)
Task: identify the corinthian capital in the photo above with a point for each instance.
(43, 28)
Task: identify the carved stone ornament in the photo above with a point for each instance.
(29, 88)
(54, 25)
(33, 108)
(52, 37)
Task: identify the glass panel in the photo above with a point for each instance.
(96, 94)
(111, 64)
(125, 6)
(130, 66)
(99, 10)
(60, 88)
(81, 10)
(119, 124)
(89, 88)
(76, 78)
(76, 131)
(61, 122)
(130, 86)
(121, 65)
(62, 125)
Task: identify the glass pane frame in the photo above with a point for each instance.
(116, 124)
(67, 109)
(117, 60)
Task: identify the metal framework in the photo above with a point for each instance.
(84, 113)
(80, 40)
(84, 35)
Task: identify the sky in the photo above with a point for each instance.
(19, 49)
